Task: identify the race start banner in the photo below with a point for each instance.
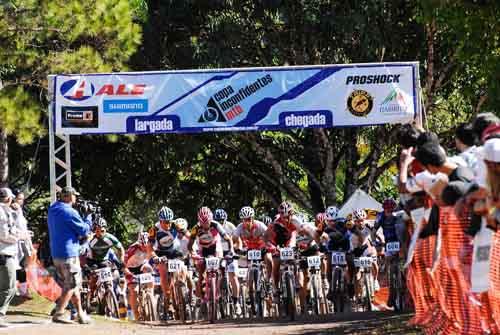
(274, 98)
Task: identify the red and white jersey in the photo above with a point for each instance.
(135, 257)
(252, 238)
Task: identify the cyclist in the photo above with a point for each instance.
(361, 245)
(248, 235)
(163, 237)
(282, 233)
(306, 246)
(208, 234)
(100, 250)
(388, 221)
(138, 259)
(183, 236)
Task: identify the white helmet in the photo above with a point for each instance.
(247, 212)
(181, 224)
(331, 213)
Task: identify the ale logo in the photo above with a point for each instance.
(360, 103)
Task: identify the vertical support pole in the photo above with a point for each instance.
(52, 156)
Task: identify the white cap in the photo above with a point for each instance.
(491, 150)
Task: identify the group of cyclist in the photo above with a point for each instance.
(214, 236)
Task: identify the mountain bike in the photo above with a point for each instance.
(338, 285)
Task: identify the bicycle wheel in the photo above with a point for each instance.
(290, 305)
(367, 292)
(180, 302)
(243, 298)
(259, 294)
(315, 294)
(161, 309)
(111, 304)
(338, 300)
(149, 310)
(212, 304)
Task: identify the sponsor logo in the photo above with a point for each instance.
(394, 103)
(80, 90)
(225, 105)
(360, 103)
(373, 79)
(152, 124)
(79, 117)
(125, 106)
(306, 119)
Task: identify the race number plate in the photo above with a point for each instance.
(363, 262)
(212, 263)
(338, 258)
(254, 255)
(105, 275)
(174, 266)
(242, 273)
(232, 267)
(286, 254)
(146, 278)
(392, 247)
(314, 262)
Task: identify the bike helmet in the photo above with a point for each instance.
(143, 238)
(267, 220)
(181, 224)
(165, 214)
(99, 223)
(319, 219)
(246, 212)
(205, 215)
(285, 208)
(331, 213)
(359, 214)
(389, 204)
(220, 214)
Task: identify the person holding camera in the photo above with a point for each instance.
(66, 228)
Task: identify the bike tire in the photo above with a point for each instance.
(149, 310)
(161, 308)
(213, 300)
(367, 298)
(180, 303)
(338, 304)
(111, 304)
(259, 296)
(291, 306)
(243, 297)
(315, 294)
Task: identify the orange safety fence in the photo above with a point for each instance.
(494, 290)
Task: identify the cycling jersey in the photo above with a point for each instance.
(229, 228)
(337, 240)
(282, 228)
(207, 238)
(364, 233)
(253, 238)
(388, 224)
(135, 257)
(165, 242)
(304, 240)
(99, 247)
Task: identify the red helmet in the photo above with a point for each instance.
(389, 204)
(205, 215)
(320, 218)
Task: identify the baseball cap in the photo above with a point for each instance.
(6, 192)
(68, 190)
(491, 150)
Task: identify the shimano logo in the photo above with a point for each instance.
(293, 120)
(153, 126)
(373, 79)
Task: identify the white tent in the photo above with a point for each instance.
(359, 200)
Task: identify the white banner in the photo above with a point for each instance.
(235, 99)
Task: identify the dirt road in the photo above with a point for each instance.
(356, 323)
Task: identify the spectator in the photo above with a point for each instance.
(26, 250)
(66, 227)
(9, 237)
(465, 141)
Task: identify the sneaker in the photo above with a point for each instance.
(84, 319)
(60, 318)
(237, 308)
(3, 322)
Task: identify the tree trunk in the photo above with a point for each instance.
(4, 159)
(352, 157)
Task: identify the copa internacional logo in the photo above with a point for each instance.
(360, 103)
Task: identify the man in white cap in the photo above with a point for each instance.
(9, 237)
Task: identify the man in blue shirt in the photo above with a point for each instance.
(66, 227)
